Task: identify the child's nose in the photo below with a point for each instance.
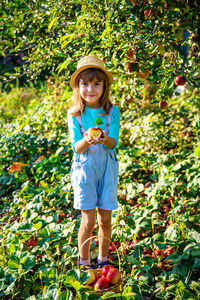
(90, 87)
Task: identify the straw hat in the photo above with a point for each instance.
(86, 62)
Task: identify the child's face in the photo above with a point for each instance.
(91, 92)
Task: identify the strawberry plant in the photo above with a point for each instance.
(155, 229)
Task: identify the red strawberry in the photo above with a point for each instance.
(32, 243)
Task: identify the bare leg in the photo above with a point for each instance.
(104, 221)
(88, 222)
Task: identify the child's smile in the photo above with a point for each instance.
(91, 92)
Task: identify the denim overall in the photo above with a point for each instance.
(94, 175)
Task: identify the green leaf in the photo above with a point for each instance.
(76, 285)
(98, 121)
(147, 261)
(37, 226)
(66, 295)
(12, 248)
(110, 295)
(73, 274)
(53, 21)
(64, 65)
(13, 263)
(132, 260)
(28, 262)
(172, 233)
(130, 291)
(61, 54)
(197, 151)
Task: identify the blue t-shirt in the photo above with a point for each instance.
(88, 120)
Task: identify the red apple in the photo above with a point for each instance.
(113, 276)
(144, 74)
(179, 80)
(148, 13)
(106, 269)
(130, 68)
(130, 53)
(163, 104)
(95, 133)
(101, 284)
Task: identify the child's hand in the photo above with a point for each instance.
(104, 138)
(99, 141)
(89, 140)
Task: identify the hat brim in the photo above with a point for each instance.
(77, 72)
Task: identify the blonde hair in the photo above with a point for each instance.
(88, 75)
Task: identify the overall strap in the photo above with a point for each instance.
(108, 120)
(79, 120)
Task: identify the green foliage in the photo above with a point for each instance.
(157, 223)
(49, 37)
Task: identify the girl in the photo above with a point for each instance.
(94, 171)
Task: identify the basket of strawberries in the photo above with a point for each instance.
(106, 279)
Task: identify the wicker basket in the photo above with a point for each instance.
(114, 288)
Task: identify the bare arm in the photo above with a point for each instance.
(109, 142)
(82, 145)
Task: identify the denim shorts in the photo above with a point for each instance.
(94, 177)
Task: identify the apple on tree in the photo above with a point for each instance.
(148, 13)
(130, 53)
(130, 68)
(163, 104)
(179, 80)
